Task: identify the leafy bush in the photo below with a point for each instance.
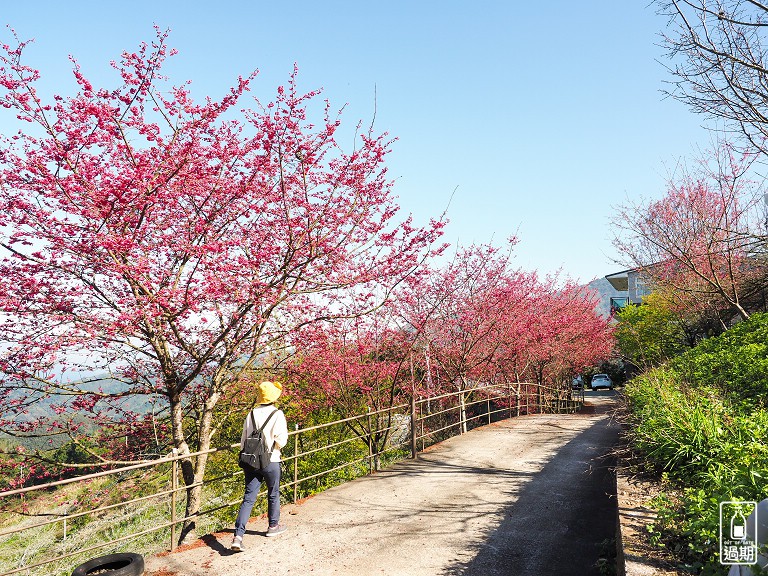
(650, 334)
(701, 422)
(735, 363)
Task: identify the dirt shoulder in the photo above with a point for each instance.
(531, 495)
(635, 515)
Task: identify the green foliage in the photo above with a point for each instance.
(687, 525)
(735, 363)
(71, 453)
(701, 420)
(347, 448)
(650, 334)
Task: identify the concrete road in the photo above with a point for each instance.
(532, 496)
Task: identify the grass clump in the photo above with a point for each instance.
(701, 422)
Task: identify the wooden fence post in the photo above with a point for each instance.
(296, 465)
(414, 452)
(174, 487)
(540, 398)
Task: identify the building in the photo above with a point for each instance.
(630, 288)
(619, 290)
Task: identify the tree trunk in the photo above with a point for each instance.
(193, 469)
(187, 470)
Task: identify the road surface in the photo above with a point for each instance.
(532, 496)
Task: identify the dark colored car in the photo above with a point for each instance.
(577, 383)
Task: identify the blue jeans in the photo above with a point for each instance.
(253, 480)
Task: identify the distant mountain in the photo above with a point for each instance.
(133, 403)
(606, 292)
(42, 408)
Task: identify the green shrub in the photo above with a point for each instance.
(648, 335)
(701, 422)
(735, 363)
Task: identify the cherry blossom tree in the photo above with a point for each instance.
(701, 239)
(476, 321)
(354, 366)
(176, 244)
(464, 316)
(551, 332)
(565, 335)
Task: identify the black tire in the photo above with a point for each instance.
(125, 564)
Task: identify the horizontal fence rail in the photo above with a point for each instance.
(75, 522)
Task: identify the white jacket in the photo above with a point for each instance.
(276, 432)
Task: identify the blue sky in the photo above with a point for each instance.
(541, 116)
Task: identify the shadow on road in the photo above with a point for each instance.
(388, 494)
(564, 518)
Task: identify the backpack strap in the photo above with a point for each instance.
(253, 421)
(253, 424)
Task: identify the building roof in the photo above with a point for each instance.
(620, 280)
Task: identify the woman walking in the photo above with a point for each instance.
(275, 429)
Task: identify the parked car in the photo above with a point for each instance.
(577, 383)
(601, 381)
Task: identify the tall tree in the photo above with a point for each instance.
(484, 320)
(353, 366)
(176, 243)
(558, 333)
(718, 49)
(465, 315)
(699, 239)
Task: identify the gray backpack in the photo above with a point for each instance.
(255, 453)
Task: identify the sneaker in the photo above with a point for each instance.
(237, 544)
(275, 530)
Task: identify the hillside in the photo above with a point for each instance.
(134, 403)
(42, 408)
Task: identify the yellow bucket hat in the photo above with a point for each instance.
(268, 392)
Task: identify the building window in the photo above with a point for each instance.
(618, 303)
(641, 289)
